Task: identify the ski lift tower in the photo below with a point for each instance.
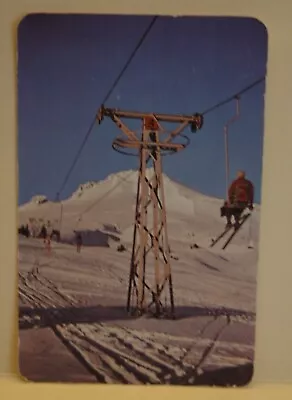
(146, 290)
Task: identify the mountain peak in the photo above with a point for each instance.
(126, 177)
(39, 199)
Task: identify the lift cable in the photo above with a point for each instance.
(235, 96)
(140, 42)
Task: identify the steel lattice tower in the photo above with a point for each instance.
(150, 289)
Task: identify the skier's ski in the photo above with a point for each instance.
(221, 236)
(243, 220)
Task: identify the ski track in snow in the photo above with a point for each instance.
(119, 354)
(53, 288)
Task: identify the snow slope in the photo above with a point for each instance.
(112, 201)
(214, 290)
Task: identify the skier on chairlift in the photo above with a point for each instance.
(240, 197)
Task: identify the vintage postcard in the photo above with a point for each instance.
(140, 145)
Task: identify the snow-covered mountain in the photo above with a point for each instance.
(111, 201)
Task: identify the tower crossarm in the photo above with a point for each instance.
(195, 121)
(177, 118)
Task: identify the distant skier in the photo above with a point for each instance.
(78, 241)
(240, 197)
(47, 243)
(43, 233)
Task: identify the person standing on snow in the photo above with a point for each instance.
(240, 197)
(47, 243)
(78, 241)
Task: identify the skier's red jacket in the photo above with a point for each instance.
(241, 191)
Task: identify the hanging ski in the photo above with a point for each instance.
(221, 236)
(227, 230)
(243, 220)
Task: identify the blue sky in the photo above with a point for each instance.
(67, 63)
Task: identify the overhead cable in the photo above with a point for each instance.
(139, 44)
